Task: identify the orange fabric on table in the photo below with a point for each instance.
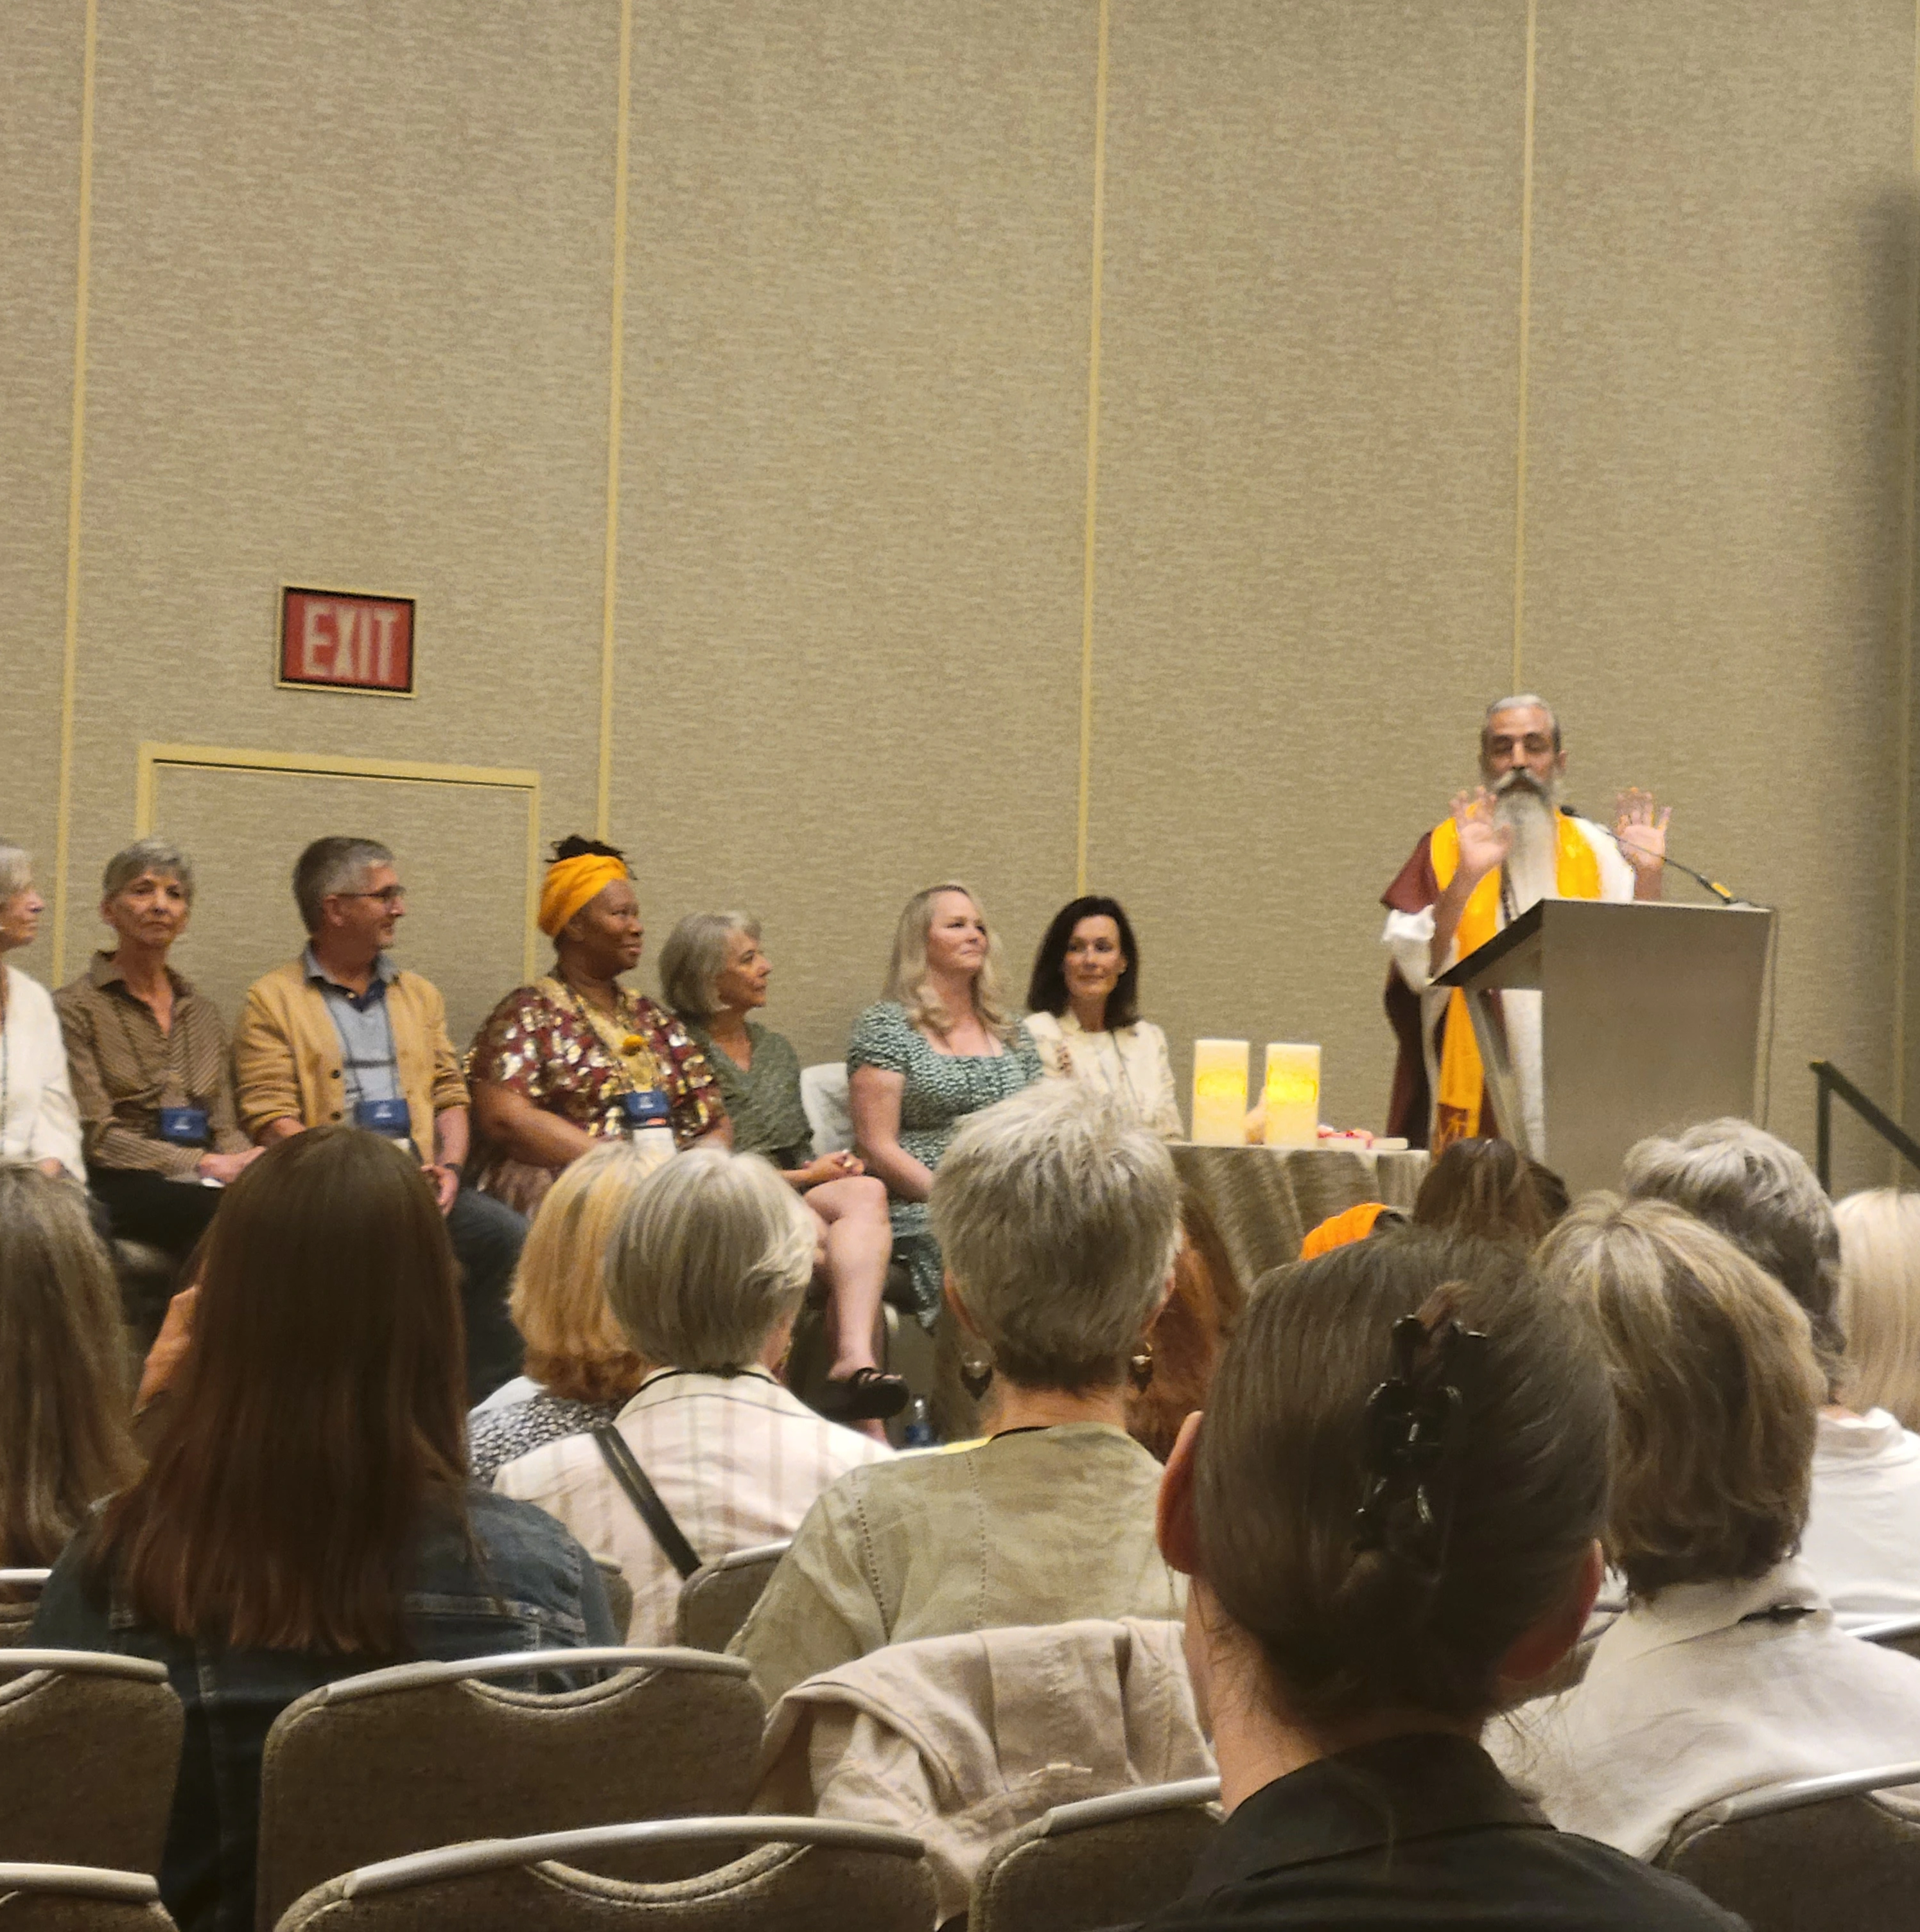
(1351, 1224)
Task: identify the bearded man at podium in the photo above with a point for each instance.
(1504, 846)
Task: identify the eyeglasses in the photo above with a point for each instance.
(388, 896)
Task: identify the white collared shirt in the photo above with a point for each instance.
(1699, 1694)
(38, 1120)
(1863, 1532)
(1129, 1065)
(737, 1460)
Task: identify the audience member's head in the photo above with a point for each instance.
(1485, 1188)
(20, 905)
(1716, 1386)
(1059, 1221)
(1879, 1301)
(347, 886)
(65, 1395)
(576, 1348)
(698, 951)
(943, 940)
(319, 1413)
(709, 1261)
(1762, 1196)
(1090, 943)
(1338, 1581)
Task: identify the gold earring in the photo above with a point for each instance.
(1139, 1365)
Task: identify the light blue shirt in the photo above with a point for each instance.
(369, 1068)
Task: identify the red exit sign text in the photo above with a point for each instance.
(340, 641)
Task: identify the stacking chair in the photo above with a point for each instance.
(399, 1760)
(1834, 1854)
(89, 1750)
(1896, 1632)
(80, 1898)
(20, 1593)
(714, 1600)
(805, 1875)
(1106, 1860)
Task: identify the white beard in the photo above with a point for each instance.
(1533, 865)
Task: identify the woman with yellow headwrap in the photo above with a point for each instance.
(553, 1067)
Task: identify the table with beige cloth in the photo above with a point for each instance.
(1265, 1199)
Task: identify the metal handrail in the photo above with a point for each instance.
(1828, 1080)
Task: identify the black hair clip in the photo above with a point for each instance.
(1415, 1422)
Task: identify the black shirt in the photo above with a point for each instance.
(1420, 1830)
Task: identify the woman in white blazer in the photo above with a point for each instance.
(1085, 1020)
(38, 1122)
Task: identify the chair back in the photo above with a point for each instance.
(715, 1599)
(397, 1761)
(804, 1875)
(1896, 1632)
(19, 1597)
(1107, 1861)
(1810, 1855)
(823, 1095)
(89, 1750)
(80, 1898)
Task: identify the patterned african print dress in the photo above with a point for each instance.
(554, 1049)
(941, 1090)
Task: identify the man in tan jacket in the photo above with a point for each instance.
(341, 1035)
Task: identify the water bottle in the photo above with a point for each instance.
(918, 1433)
(649, 1116)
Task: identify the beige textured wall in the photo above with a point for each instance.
(351, 322)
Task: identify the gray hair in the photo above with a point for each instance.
(331, 865)
(1762, 1196)
(1521, 700)
(1059, 1218)
(142, 857)
(713, 1251)
(15, 872)
(694, 957)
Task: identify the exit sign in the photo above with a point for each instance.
(342, 641)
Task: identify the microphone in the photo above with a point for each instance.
(1713, 885)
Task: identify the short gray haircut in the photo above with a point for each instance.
(142, 857)
(331, 865)
(1763, 1197)
(1059, 1218)
(713, 1252)
(1521, 700)
(15, 872)
(694, 957)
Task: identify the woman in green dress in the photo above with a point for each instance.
(940, 1046)
(713, 974)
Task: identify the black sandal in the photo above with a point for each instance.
(867, 1395)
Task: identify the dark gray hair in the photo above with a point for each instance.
(142, 857)
(330, 865)
(694, 957)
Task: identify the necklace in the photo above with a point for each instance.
(630, 1053)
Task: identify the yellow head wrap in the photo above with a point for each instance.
(570, 883)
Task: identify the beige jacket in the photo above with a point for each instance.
(961, 1740)
(286, 1055)
(1041, 1526)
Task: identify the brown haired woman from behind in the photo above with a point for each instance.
(64, 1442)
(1358, 1608)
(306, 1515)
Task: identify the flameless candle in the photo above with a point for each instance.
(1219, 1092)
(1292, 1095)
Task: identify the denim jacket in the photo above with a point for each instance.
(537, 1589)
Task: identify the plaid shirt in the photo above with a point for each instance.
(125, 1070)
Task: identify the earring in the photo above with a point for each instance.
(1139, 1365)
(976, 1377)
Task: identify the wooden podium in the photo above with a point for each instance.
(1650, 1021)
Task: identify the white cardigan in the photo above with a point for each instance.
(1129, 1065)
(38, 1120)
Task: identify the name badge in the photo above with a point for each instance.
(185, 1126)
(649, 1108)
(389, 1118)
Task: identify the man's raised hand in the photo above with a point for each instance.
(1484, 844)
(1641, 826)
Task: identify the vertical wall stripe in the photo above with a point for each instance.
(1519, 682)
(603, 807)
(69, 665)
(1093, 453)
(1904, 729)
